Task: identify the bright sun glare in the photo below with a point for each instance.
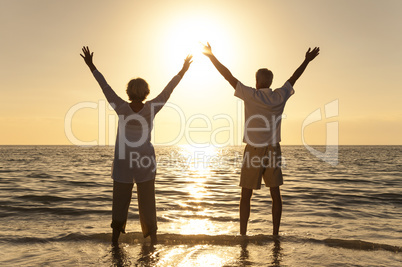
(189, 36)
(189, 39)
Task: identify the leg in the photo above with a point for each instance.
(115, 236)
(121, 202)
(245, 209)
(276, 208)
(147, 209)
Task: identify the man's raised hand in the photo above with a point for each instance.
(87, 55)
(219, 66)
(207, 50)
(310, 55)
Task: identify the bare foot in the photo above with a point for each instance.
(115, 237)
(154, 239)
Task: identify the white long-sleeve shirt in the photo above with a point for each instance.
(134, 157)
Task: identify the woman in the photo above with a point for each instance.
(134, 157)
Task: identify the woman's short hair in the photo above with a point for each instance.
(137, 89)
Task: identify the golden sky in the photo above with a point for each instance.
(42, 75)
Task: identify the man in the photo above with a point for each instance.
(263, 114)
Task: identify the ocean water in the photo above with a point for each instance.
(55, 209)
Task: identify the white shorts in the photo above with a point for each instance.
(261, 162)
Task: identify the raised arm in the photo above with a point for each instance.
(87, 56)
(221, 68)
(163, 97)
(310, 55)
(186, 65)
(110, 95)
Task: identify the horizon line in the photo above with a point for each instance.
(190, 145)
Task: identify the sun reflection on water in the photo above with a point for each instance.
(199, 172)
(198, 255)
(198, 159)
(196, 227)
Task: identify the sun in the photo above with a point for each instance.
(190, 37)
(189, 34)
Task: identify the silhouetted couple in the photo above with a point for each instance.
(134, 157)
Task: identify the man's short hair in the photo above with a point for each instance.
(137, 89)
(264, 77)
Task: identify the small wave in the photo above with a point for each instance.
(5, 171)
(388, 196)
(39, 175)
(43, 198)
(225, 240)
(10, 211)
(86, 173)
(351, 180)
(46, 199)
(18, 160)
(82, 183)
(360, 245)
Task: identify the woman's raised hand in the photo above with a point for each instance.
(187, 62)
(88, 57)
(186, 65)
